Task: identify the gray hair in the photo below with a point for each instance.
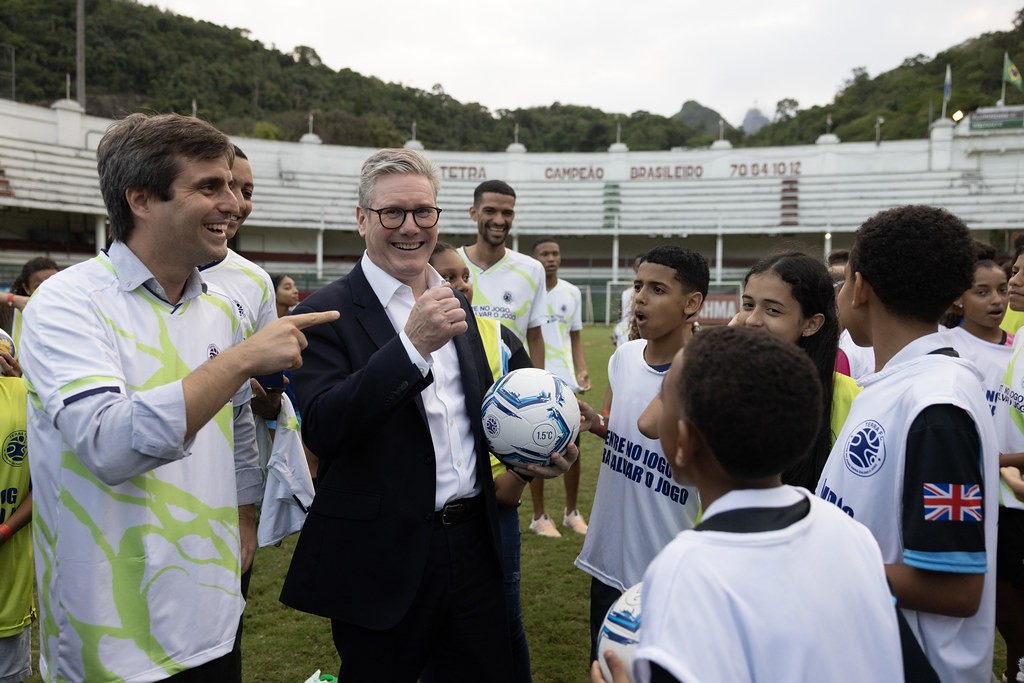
(145, 152)
(390, 161)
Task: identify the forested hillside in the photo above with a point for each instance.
(139, 57)
(907, 97)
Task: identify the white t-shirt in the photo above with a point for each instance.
(511, 290)
(638, 508)
(862, 358)
(140, 579)
(565, 315)
(990, 358)
(806, 602)
(250, 287)
(621, 330)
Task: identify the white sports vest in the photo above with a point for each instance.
(864, 476)
(638, 508)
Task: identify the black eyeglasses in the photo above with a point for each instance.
(392, 217)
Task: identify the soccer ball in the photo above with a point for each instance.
(528, 415)
(620, 631)
(7, 344)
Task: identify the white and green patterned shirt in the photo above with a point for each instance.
(135, 529)
(512, 291)
(250, 287)
(565, 315)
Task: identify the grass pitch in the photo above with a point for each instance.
(284, 646)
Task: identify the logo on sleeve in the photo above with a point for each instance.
(952, 502)
(865, 449)
(212, 351)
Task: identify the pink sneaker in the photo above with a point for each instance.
(543, 526)
(574, 520)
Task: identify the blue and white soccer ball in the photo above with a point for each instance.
(620, 631)
(528, 415)
(7, 344)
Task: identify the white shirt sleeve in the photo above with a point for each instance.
(539, 308)
(118, 437)
(248, 475)
(576, 323)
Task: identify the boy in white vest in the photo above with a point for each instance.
(909, 463)
(774, 584)
(638, 508)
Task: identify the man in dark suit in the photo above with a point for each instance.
(400, 549)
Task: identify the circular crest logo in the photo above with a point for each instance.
(14, 449)
(865, 449)
(492, 425)
(507, 297)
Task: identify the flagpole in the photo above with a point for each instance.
(947, 91)
(1006, 66)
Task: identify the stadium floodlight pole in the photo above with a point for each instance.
(11, 48)
(80, 56)
(719, 254)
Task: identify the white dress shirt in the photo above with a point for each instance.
(444, 401)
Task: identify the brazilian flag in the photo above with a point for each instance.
(1011, 74)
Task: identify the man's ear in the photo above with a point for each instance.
(361, 218)
(472, 212)
(138, 200)
(694, 301)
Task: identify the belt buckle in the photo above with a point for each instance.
(456, 510)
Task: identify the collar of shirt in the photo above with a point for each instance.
(775, 497)
(211, 264)
(385, 286)
(921, 346)
(132, 273)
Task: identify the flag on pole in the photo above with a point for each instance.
(947, 87)
(1011, 74)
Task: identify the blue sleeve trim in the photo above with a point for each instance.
(91, 392)
(953, 563)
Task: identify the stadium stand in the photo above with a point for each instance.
(731, 204)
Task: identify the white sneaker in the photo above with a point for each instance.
(543, 526)
(574, 520)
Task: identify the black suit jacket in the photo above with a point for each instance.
(363, 550)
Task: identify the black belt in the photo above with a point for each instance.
(459, 511)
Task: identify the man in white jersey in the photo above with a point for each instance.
(910, 463)
(507, 286)
(563, 355)
(133, 371)
(250, 287)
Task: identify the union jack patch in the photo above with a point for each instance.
(952, 503)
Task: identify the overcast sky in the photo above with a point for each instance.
(618, 56)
